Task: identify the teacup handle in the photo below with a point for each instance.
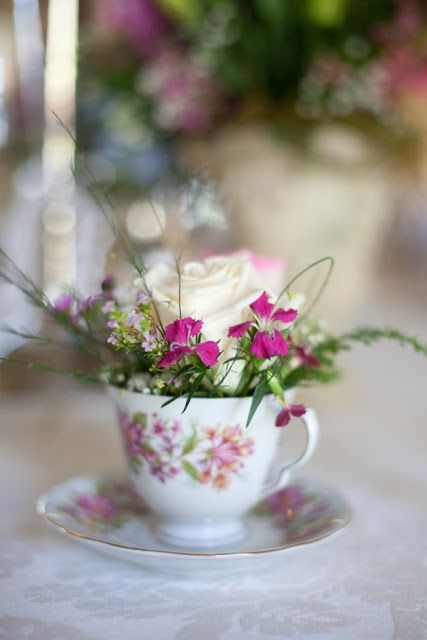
(309, 420)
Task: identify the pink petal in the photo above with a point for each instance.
(297, 410)
(208, 352)
(306, 359)
(182, 329)
(173, 356)
(238, 330)
(283, 418)
(266, 345)
(262, 307)
(282, 315)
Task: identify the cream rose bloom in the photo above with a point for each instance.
(218, 291)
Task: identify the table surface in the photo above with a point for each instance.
(369, 582)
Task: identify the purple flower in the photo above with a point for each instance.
(284, 416)
(63, 303)
(108, 307)
(149, 343)
(179, 334)
(267, 341)
(133, 321)
(142, 298)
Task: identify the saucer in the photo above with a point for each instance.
(106, 514)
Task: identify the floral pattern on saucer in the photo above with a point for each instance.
(108, 507)
(211, 455)
(302, 513)
(297, 511)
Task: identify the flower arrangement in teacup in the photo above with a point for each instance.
(203, 359)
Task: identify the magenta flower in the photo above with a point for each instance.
(305, 358)
(268, 340)
(180, 335)
(284, 416)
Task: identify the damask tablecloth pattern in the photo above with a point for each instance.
(370, 582)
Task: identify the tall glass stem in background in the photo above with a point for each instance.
(29, 58)
(59, 218)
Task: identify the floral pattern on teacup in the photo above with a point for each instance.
(210, 455)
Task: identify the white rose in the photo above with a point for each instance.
(218, 291)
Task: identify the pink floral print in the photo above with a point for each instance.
(111, 505)
(209, 455)
(223, 454)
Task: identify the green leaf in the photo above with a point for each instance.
(196, 384)
(190, 469)
(260, 391)
(191, 442)
(169, 401)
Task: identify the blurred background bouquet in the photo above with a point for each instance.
(299, 110)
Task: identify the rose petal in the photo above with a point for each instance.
(284, 315)
(262, 307)
(267, 345)
(238, 330)
(208, 352)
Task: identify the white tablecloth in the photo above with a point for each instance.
(368, 583)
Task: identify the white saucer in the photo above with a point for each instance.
(106, 514)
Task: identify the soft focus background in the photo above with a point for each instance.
(294, 128)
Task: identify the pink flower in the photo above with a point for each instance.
(180, 335)
(149, 343)
(108, 306)
(305, 358)
(64, 303)
(142, 21)
(284, 416)
(267, 341)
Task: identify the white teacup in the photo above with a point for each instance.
(201, 471)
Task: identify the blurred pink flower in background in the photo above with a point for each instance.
(271, 269)
(185, 94)
(142, 21)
